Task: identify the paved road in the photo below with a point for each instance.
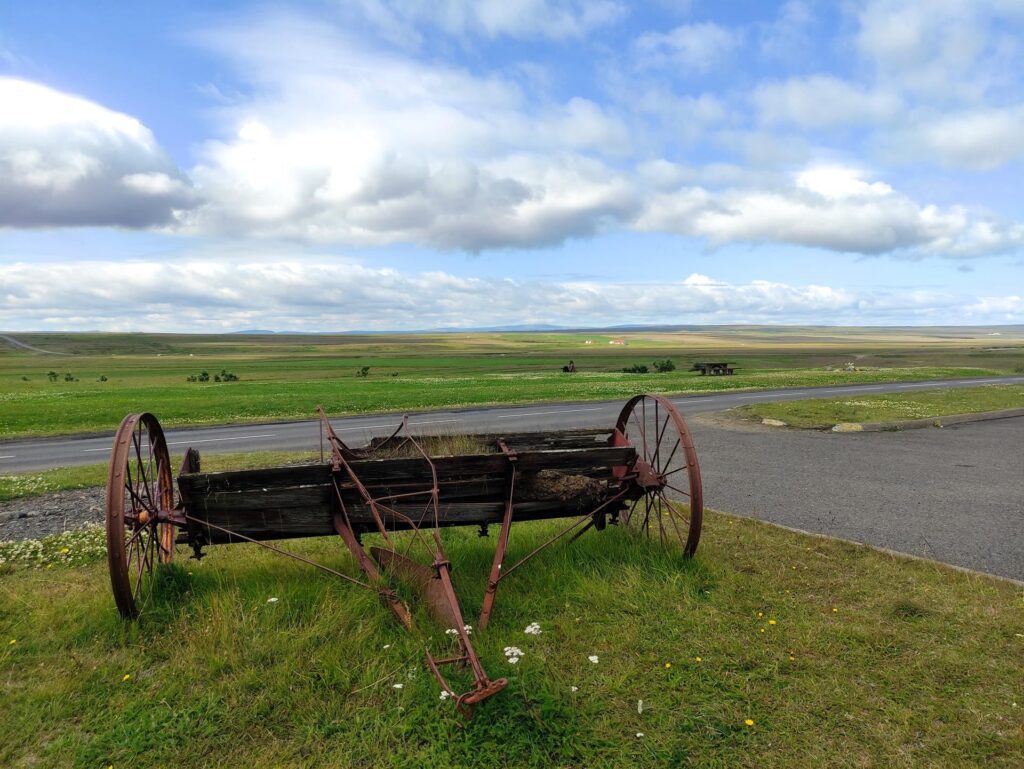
(955, 494)
(39, 454)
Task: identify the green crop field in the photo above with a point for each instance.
(823, 413)
(771, 649)
(101, 377)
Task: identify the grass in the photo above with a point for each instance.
(285, 377)
(823, 413)
(840, 655)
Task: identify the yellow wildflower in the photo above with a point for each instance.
(12, 642)
(698, 659)
(668, 665)
(772, 622)
(749, 722)
(126, 676)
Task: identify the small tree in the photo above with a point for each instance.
(204, 376)
(52, 376)
(363, 372)
(664, 366)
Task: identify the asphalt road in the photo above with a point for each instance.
(42, 453)
(954, 494)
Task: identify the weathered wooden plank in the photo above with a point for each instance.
(265, 525)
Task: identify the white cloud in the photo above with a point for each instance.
(324, 294)
(788, 36)
(980, 139)
(691, 47)
(346, 144)
(551, 19)
(823, 101)
(67, 161)
(945, 49)
(830, 207)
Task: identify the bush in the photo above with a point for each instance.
(664, 366)
(52, 376)
(363, 372)
(102, 378)
(636, 368)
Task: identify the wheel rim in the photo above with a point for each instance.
(139, 488)
(666, 500)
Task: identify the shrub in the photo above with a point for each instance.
(636, 368)
(52, 376)
(363, 372)
(664, 366)
(102, 378)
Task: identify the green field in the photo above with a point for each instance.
(838, 655)
(823, 413)
(284, 376)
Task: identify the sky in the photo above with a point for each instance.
(415, 164)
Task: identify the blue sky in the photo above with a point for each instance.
(409, 164)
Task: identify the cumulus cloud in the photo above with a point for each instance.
(340, 294)
(66, 161)
(691, 47)
(823, 101)
(944, 49)
(979, 139)
(342, 143)
(831, 207)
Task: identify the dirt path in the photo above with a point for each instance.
(15, 343)
(35, 517)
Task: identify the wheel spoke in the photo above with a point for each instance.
(678, 490)
(668, 462)
(658, 437)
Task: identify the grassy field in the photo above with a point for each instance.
(772, 649)
(104, 376)
(823, 413)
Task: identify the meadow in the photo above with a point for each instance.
(823, 413)
(770, 649)
(101, 377)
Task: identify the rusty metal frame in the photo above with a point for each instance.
(643, 480)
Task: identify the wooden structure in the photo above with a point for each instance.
(642, 473)
(714, 368)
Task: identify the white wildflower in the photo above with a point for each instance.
(639, 706)
(574, 688)
(445, 695)
(387, 646)
(397, 686)
(639, 734)
(533, 629)
(593, 658)
(271, 600)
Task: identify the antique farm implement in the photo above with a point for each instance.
(641, 474)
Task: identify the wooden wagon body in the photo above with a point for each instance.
(642, 473)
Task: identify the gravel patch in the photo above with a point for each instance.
(36, 517)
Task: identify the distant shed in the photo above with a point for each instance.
(712, 368)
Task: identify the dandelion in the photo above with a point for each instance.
(397, 686)
(749, 722)
(593, 658)
(65, 550)
(271, 600)
(834, 609)
(668, 665)
(533, 629)
(12, 642)
(762, 630)
(126, 677)
(791, 658)
(698, 659)
(760, 614)
(772, 622)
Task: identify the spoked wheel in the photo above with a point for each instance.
(139, 487)
(666, 500)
